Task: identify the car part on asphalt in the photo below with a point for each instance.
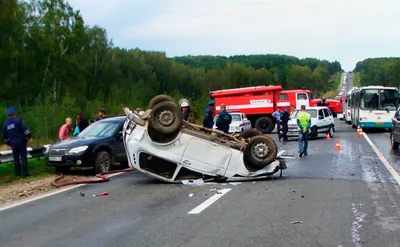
(99, 175)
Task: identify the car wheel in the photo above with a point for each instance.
(166, 118)
(314, 133)
(250, 133)
(102, 162)
(158, 99)
(260, 152)
(265, 124)
(331, 132)
(156, 137)
(62, 169)
(395, 145)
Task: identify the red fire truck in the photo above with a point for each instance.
(259, 102)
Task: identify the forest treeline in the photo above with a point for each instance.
(53, 65)
(383, 71)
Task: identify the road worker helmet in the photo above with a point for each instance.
(184, 103)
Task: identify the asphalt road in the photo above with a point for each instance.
(329, 198)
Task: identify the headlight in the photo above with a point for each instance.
(47, 149)
(77, 150)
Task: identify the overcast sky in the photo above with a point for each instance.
(343, 30)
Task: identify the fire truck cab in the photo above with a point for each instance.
(259, 102)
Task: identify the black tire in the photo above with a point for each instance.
(314, 133)
(331, 132)
(103, 162)
(265, 124)
(250, 133)
(258, 159)
(166, 118)
(158, 99)
(156, 137)
(394, 144)
(62, 169)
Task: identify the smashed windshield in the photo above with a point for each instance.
(312, 112)
(100, 129)
(379, 99)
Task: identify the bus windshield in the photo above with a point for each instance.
(379, 99)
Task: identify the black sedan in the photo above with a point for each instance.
(99, 146)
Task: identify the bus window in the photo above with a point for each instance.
(388, 99)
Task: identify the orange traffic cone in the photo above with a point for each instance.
(337, 147)
(359, 130)
(328, 137)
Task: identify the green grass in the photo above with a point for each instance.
(37, 169)
(356, 81)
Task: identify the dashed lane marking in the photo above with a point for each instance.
(390, 168)
(209, 201)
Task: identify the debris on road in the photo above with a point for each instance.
(190, 195)
(101, 194)
(296, 222)
(82, 194)
(196, 182)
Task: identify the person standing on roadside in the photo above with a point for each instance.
(101, 115)
(277, 115)
(16, 135)
(64, 130)
(208, 119)
(224, 120)
(80, 124)
(284, 122)
(303, 125)
(185, 108)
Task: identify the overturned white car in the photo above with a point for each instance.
(161, 144)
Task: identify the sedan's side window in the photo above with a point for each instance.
(326, 111)
(320, 113)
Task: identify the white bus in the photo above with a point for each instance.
(347, 106)
(374, 106)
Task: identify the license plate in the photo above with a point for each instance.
(378, 123)
(55, 158)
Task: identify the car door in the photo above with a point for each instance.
(206, 157)
(328, 117)
(321, 119)
(396, 125)
(119, 148)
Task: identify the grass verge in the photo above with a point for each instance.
(37, 169)
(356, 80)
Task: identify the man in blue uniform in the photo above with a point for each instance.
(208, 119)
(16, 135)
(224, 120)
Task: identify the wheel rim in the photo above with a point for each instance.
(166, 118)
(260, 151)
(105, 162)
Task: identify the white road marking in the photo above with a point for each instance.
(58, 191)
(392, 171)
(209, 201)
(356, 224)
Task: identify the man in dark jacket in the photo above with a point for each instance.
(224, 120)
(208, 119)
(101, 115)
(16, 135)
(284, 122)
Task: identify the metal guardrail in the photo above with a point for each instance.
(34, 152)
